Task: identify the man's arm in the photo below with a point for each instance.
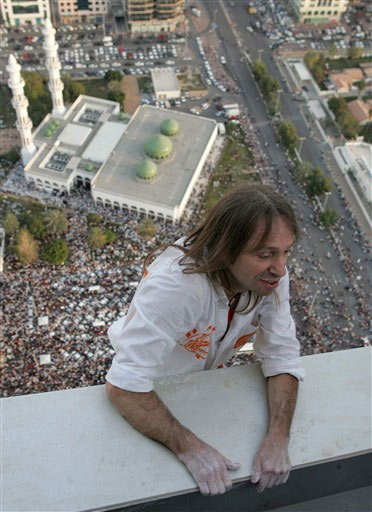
(272, 465)
(148, 414)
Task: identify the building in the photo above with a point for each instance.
(24, 12)
(342, 81)
(154, 15)
(319, 11)
(361, 111)
(165, 83)
(148, 166)
(82, 11)
(356, 158)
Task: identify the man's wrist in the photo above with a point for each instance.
(278, 435)
(182, 441)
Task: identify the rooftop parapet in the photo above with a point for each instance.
(72, 451)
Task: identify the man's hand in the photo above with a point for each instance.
(209, 469)
(272, 465)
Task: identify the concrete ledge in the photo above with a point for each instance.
(72, 451)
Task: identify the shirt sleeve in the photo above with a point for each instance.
(276, 344)
(156, 319)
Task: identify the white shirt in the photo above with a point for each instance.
(175, 323)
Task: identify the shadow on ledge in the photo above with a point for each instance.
(303, 485)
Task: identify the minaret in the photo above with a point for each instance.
(20, 104)
(53, 66)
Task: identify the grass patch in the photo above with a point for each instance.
(234, 167)
(145, 84)
(343, 63)
(6, 110)
(97, 88)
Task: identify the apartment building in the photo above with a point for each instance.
(154, 15)
(319, 11)
(82, 11)
(24, 12)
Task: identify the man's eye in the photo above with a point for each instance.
(264, 256)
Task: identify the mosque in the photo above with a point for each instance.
(147, 165)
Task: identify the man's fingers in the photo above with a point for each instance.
(227, 481)
(231, 465)
(284, 478)
(264, 480)
(204, 488)
(256, 473)
(213, 489)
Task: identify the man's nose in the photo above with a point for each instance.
(278, 266)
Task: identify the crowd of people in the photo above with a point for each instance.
(80, 299)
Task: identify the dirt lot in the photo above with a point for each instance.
(9, 137)
(132, 94)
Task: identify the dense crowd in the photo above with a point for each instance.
(74, 335)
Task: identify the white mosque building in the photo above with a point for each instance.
(147, 165)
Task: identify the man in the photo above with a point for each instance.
(197, 304)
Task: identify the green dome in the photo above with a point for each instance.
(88, 167)
(170, 127)
(158, 146)
(122, 116)
(48, 132)
(55, 122)
(146, 170)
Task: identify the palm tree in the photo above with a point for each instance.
(11, 224)
(96, 238)
(27, 248)
(56, 222)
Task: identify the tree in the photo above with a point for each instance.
(11, 224)
(27, 248)
(332, 51)
(12, 156)
(317, 183)
(56, 222)
(361, 85)
(302, 171)
(348, 124)
(147, 228)
(311, 58)
(258, 70)
(367, 132)
(36, 226)
(269, 85)
(94, 218)
(115, 92)
(96, 238)
(288, 134)
(328, 218)
(34, 85)
(337, 105)
(111, 236)
(354, 53)
(113, 75)
(71, 89)
(56, 252)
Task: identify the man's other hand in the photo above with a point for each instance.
(272, 465)
(209, 469)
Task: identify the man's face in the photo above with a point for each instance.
(261, 270)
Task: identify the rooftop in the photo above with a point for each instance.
(174, 172)
(72, 451)
(86, 131)
(164, 80)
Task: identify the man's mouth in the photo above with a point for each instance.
(271, 283)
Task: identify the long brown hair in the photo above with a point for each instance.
(229, 227)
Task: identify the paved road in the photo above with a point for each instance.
(316, 242)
